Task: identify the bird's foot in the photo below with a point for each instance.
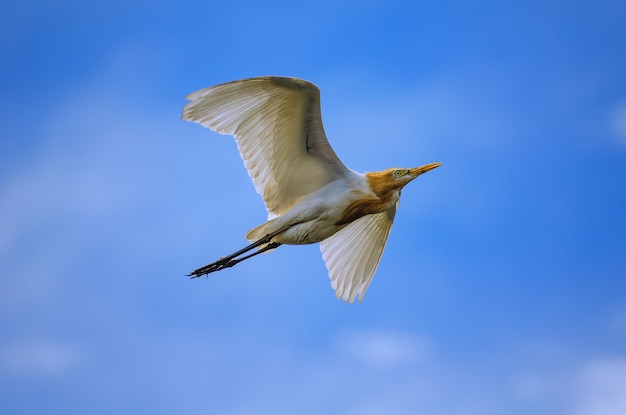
(220, 264)
(231, 260)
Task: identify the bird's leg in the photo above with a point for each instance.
(230, 260)
(268, 247)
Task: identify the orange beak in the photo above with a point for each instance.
(423, 169)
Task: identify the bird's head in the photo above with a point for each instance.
(396, 178)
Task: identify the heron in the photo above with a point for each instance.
(309, 193)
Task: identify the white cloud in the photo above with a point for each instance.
(602, 387)
(368, 370)
(40, 357)
(384, 349)
(618, 123)
(592, 386)
(599, 383)
(618, 318)
(531, 386)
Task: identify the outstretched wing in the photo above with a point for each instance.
(352, 254)
(277, 124)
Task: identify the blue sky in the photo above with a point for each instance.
(502, 289)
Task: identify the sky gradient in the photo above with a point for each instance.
(502, 289)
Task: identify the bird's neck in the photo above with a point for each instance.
(381, 186)
(383, 196)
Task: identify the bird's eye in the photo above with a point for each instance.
(397, 173)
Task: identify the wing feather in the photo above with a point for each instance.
(352, 254)
(277, 124)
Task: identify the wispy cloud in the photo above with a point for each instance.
(618, 123)
(601, 387)
(41, 357)
(383, 349)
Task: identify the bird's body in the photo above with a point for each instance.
(311, 196)
(318, 215)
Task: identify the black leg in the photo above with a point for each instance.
(233, 262)
(230, 260)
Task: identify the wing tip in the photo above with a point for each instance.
(350, 295)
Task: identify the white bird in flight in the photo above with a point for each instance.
(310, 195)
